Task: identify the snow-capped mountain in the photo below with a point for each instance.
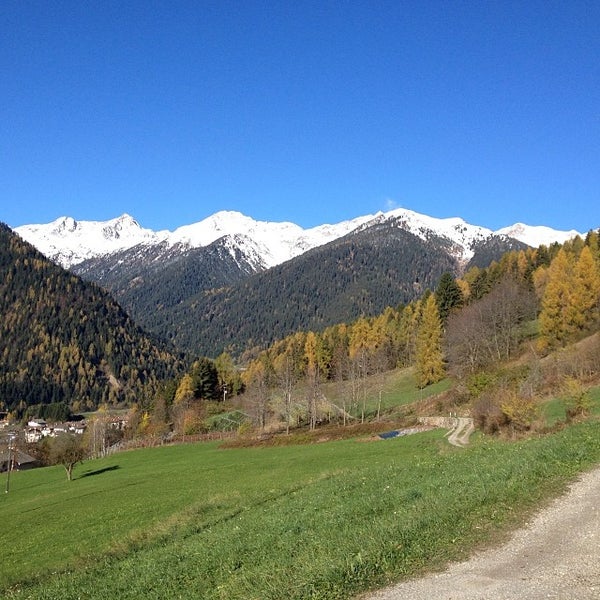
(70, 242)
(231, 281)
(537, 235)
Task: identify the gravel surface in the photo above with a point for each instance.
(556, 555)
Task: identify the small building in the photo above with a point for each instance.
(20, 460)
(36, 430)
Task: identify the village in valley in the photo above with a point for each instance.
(19, 444)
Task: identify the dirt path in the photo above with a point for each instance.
(557, 556)
(459, 435)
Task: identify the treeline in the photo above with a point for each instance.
(191, 404)
(462, 328)
(65, 342)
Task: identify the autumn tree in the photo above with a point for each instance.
(585, 292)
(556, 324)
(287, 377)
(337, 340)
(316, 366)
(228, 377)
(490, 329)
(258, 379)
(360, 344)
(185, 391)
(67, 450)
(429, 366)
(407, 331)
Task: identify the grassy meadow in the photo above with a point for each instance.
(325, 520)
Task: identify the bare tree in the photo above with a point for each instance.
(488, 330)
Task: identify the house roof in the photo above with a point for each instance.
(20, 458)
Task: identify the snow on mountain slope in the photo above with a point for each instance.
(69, 242)
(463, 235)
(277, 242)
(536, 235)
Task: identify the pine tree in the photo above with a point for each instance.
(429, 366)
(448, 296)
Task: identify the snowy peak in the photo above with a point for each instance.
(461, 234)
(277, 242)
(69, 242)
(537, 235)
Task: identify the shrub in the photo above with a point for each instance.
(520, 411)
(487, 414)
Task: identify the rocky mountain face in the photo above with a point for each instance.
(230, 282)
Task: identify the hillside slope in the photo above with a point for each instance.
(65, 341)
(358, 274)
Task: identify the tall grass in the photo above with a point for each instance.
(321, 521)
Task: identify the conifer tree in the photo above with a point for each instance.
(429, 366)
(555, 320)
(585, 292)
(448, 295)
(185, 390)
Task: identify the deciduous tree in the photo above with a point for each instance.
(429, 366)
(67, 450)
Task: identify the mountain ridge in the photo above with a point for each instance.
(65, 341)
(69, 242)
(232, 283)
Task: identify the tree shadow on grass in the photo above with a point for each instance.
(99, 471)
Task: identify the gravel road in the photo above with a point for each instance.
(556, 555)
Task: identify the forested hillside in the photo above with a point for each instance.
(526, 305)
(65, 343)
(359, 274)
(356, 275)
(153, 283)
(219, 297)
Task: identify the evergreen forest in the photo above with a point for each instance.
(66, 345)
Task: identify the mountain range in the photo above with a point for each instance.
(69, 242)
(232, 283)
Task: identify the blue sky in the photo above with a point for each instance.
(311, 112)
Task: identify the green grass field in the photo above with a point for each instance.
(388, 392)
(314, 521)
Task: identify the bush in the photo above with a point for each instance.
(487, 414)
(577, 399)
(521, 412)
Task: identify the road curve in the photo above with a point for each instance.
(459, 435)
(556, 556)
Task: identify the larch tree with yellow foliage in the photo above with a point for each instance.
(585, 291)
(555, 316)
(429, 365)
(571, 297)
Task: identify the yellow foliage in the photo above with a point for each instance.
(521, 412)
